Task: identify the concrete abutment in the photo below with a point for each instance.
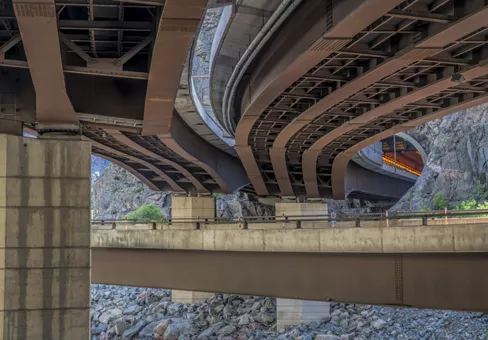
(45, 238)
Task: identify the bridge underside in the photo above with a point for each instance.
(335, 77)
(439, 281)
(110, 71)
(319, 94)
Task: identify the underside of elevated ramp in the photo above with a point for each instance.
(439, 281)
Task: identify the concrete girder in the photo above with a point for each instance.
(435, 43)
(339, 181)
(127, 141)
(172, 184)
(39, 30)
(177, 27)
(332, 40)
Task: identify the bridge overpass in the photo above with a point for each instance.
(296, 88)
(291, 104)
(415, 266)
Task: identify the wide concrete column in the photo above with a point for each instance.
(294, 312)
(300, 209)
(190, 208)
(188, 296)
(185, 208)
(45, 239)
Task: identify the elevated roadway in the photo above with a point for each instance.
(425, 266)
(302, 86)
(316, 96)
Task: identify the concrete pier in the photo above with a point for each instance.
(188, 296)
(190, 208)
(45, 239)
(294, 312)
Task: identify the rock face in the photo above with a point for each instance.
(457, 148)
(117, 193)
(230, 317)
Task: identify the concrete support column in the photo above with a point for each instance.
(188, 296)
(190, 208)
(294, 312)
(45, 239)
(300, 209)
(185, 208)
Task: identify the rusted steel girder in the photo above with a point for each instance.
(424, 49)
(177, 27)
(223, 168)
(130, 169)
(339, 185)
(332, 40)
(39, 31)
(127, 141)
(172, 184)
(427, 47)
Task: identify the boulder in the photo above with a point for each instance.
(378, 324)
(134, 330)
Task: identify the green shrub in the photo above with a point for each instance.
(148, 212)
(216, 195)
(467, 205)
(439, 202)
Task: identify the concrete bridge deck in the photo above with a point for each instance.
(273, 238)
(439, 267)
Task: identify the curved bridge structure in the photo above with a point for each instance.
(294, 89)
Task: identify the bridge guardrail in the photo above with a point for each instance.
(243, 222)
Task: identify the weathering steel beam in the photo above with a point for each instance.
(39, 31)
(425, 48)
(342, 160)
(130, 143)
(365, 14)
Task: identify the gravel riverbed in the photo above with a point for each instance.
(141, 313)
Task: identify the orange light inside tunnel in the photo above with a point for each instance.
(391, 161)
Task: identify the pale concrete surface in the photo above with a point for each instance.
(300, 209)
(450, 238)
(184, 207)
(294, 312)
(292, 224)
(44, 239)
(188, 296)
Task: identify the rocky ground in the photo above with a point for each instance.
(139, 313)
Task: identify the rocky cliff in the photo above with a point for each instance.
(117, 192)
(457, 149)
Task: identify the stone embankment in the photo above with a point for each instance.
(139, 313)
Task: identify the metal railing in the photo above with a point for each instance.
(243, 222)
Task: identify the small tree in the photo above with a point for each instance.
(148, 212)
(439, 202)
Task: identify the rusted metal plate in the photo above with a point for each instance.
(177, 27)
(450, 281)
(39, 31)
(127, 141)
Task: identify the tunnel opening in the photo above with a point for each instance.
(402, 155)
